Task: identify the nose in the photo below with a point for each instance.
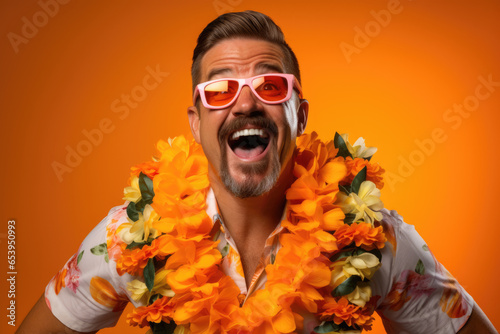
(246, 103)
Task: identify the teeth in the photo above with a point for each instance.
(248, 132)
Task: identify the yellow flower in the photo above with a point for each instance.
(366, 204)
(140, 230)
(358, 150)
(137, 288)
(140, 291)
(127, 237)
(132, 193)
(364, 266)
(361, 295)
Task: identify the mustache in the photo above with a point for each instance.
(240, 122)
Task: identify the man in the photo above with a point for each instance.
(247, 114)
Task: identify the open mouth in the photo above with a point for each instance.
(249, 143)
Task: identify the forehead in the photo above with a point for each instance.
(241, 57)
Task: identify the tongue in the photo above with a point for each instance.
(248, 153)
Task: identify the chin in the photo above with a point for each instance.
(252, 179)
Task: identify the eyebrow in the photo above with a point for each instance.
(261, 67)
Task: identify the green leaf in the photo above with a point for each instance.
(339, 143)
(154, 298)
(149, 274)
(358, 179)
(349, 218)
(163, 327)
(355, 252)
(106, 258)
(134, 244)
(80, 257)
(341, 255)
(426, 248)
(139, 206)
(377, 253)
(273, 258)
(100, 249)
(132, 211)
(225, 250)
(327, 327)
(346, 287)
(146, 187)
(346, 189)
(420, 268)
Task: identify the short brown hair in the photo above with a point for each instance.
(248, 24)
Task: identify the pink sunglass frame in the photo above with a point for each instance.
(290, 78)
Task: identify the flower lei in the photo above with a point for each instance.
(330, 247)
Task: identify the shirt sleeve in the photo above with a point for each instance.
(87, 294)
(417, 294)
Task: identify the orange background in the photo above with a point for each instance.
(394, 91)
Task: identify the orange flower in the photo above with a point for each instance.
(322, 151)
(182, 182)
(207, 301)
(133, 261)
(340, 310)
(59, 281)
(160, 310)
(195, 272)
(363, 234)
(149, 168)
(374, 172)
(103, 292)
(209, 308)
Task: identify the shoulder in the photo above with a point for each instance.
(392, 217)
(109, 224)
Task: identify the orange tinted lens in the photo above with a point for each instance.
(271, 87)
(220, 93)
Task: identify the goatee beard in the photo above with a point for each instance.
(250, 187)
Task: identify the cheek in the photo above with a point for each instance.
(290, 117)
(209, 137)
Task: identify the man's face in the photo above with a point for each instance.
(248, 143)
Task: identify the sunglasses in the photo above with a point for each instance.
(272, 88)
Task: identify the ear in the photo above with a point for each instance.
(302, 115)
(194, 122)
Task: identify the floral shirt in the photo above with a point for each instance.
(414, 292)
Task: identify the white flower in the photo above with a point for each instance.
(358, 150)
(366, 204)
